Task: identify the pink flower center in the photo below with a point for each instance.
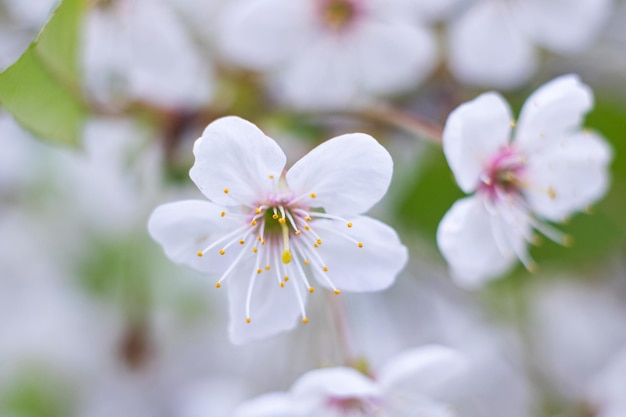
(353, 406)
(337, 15)
(504, 174)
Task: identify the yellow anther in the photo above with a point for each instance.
(536, 240)
(319, 241)
(226, 190)
(259, 238)
(307, 218)
(315, 245)
(286, 257)
(254, 250)
(337, 292)
(282, 220)
(298, 232)
(513, 123)
(257, 210)
(223, 214)
(222, 251)
(241, 242)
(306, 261)
(305, 320)
(313, 195)
(248, 320)
(349, 224)
(271, 177)
(360, 244)
(218, 284)
(306, 227)
(262, 242)
(267, 267)
(200, 254)
(533, 268)
(259, 270)
(286, 278)
(282, 284)
(311, 289)
(274, 216)
(325, 268)
(551, 193)
(253, 222)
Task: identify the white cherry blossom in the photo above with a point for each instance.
(142, 50)
(544, 169)
(606, 390)
(494, 43)
(412, 384)
(329, 53)
(266, 233)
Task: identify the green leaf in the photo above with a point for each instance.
(42, 89)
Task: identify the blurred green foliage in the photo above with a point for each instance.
(42, 89)
(36, 394)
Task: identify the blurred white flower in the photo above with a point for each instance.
(550, 170)
(576, 325)
(329, 53)
(264, 227)
(607, 390)
(493, 44)
(141, 49)
(411, 384)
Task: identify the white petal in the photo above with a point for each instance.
(320, 384)
(425, 371)
(272, 309)
(392, 57)
(568, 175)
(555, 108)
(564, 26)
(185, 227)
(234, 162)
(473, 134)
(263, 34)
(320, 76)
(373, 267)
(467, 241)
(273, 404)
(165, 66)
(348, 174)
(487, 49)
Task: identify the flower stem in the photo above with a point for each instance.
(338, 312)
(408, 122)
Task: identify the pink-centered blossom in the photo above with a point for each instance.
(522, 175)
(329, 53)
(412, 384)
(267, 234)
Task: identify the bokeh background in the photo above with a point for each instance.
(97, 122)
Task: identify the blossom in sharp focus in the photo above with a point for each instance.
(329, 53)
(494, 43)
(544, 168)
(265, 233)
(412, 384)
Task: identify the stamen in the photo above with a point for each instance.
(302, 274)
(223, 214)
(222, 239)
(226, 190)
(251, 287)
(299, 297)
(232, 266)
(343, 235)
(331, 217)
(305, 251)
